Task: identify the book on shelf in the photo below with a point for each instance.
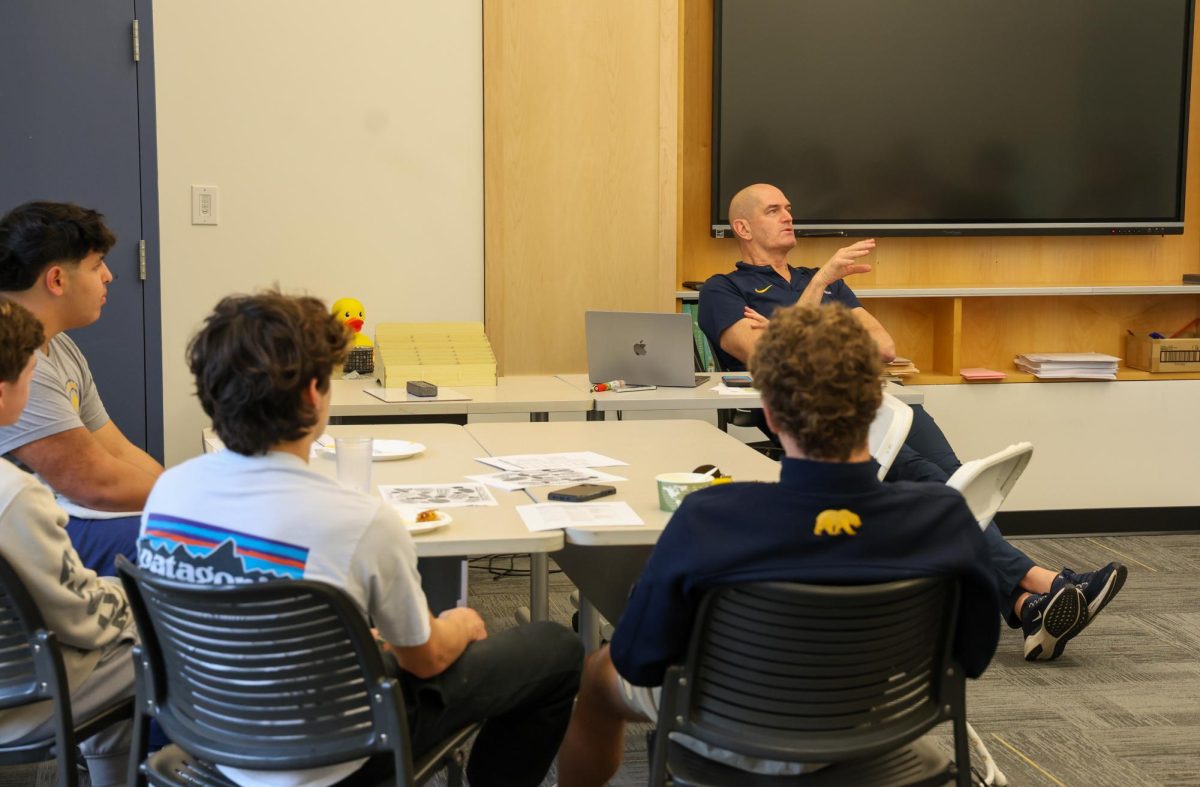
(977, 374)
(899, 368)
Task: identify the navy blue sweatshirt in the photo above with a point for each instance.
(757, 532)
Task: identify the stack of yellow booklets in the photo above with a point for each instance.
(442, 353)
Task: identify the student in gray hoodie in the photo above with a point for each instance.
(88, 614)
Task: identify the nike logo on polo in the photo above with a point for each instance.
(764, 289)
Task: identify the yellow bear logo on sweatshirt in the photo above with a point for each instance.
(839, 522)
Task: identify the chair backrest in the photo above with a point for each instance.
(986, 482)
(809, 673)
(31, 670)
(25, 674)
(209, 442)
(889, 431)
(279, 675)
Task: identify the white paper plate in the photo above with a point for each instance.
(383, 450)
(387, 450)
(424, 527)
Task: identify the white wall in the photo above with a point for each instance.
(1096, 445)
(347, 143)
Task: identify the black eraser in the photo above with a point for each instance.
(421, 388)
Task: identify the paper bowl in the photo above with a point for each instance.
(673, 487)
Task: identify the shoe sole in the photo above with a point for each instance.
(1115, 582)
(1111, 588)
(1064, 617)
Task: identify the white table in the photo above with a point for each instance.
(702, 397)
(450, 454)
(649, 448)
(604, 561)
(534, 395)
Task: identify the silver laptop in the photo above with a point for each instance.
(641, 348)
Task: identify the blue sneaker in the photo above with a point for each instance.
(1098, 586)
(1050, 620)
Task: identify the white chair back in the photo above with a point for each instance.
(888, 431)
(209, 440)
(986, 482)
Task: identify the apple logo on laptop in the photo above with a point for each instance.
(640, 348)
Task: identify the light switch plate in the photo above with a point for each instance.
(204, 205)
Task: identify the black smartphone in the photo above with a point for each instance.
(581, 492)
(737, 380)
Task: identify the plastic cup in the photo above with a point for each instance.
(673, 487)
(354, 462)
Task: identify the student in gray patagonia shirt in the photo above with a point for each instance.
(256, 511)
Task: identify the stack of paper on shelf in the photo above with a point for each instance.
(442, 353)
(899, 368)
(1068, 366)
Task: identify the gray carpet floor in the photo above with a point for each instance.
(1120, 707)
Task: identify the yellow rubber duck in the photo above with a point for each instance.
(351, 312)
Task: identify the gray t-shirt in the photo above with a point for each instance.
(62, 396)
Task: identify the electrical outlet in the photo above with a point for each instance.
(204, 205)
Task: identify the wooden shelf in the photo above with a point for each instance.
(1007, 292)
(1124, 374)
(989, 326)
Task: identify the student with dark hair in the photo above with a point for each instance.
(89, 615)
(52, 263)
(255, 511)
(818, 371)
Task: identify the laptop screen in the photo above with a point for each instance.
(641, 348)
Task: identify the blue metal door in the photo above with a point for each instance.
(70, 132)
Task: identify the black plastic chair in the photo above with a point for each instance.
(280, 675)
(31, 670)
(851, 676)
(727, 417)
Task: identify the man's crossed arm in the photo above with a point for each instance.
(740, 338)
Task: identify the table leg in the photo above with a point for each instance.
(589, 625)
(539, 586)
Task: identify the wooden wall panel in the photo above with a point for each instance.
(581, 140)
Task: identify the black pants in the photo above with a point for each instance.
(521, 683)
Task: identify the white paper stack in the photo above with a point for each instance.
(1068, 366)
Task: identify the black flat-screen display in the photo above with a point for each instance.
(955, 117)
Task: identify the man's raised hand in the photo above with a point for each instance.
(845, 261)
